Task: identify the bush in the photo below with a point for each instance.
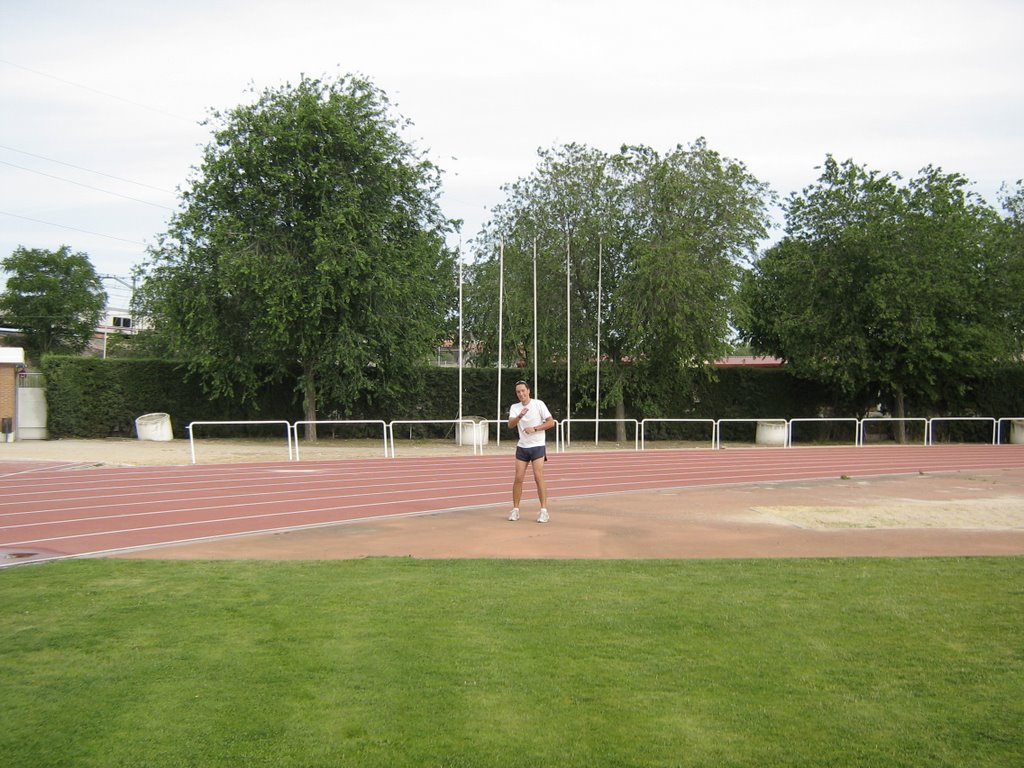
(90, 397)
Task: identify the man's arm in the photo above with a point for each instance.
(548, 423)
(513, 421)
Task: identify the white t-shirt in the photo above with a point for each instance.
(536, 414)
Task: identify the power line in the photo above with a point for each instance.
(101, 93)
(69, 181)
(87, 170)
(87, 186)
(75, 229)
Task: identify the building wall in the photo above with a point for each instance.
(8, 391)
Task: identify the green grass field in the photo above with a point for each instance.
(396, 662)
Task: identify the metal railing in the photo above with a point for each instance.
(1016, 423)
(645, 422)
(823, 419)
(340, 422)
(503, 424)
(775, 422)
(562, 428)
(565, 427)
(31, 380)
(889, 421)
(477, 444)
(191, 432)
(930, 430)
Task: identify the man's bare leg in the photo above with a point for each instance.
(542, 489)
(542, 486)
(517, 488)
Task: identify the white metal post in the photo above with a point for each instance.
(568, 343)
(535, 359)
(501, 300)
(460, 343)
(597, 398)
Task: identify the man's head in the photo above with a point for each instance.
(523, 391)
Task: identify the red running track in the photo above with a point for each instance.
(52, 511)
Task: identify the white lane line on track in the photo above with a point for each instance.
(414, 494)
(335, 522)
(478, 503)
(269, 476)
(275, 490)
(482, 491)
(321, 485)
(394, 467)
(565, 489)
(34, 471)
(242, 534)
(390, 466)
(284, 493)
(564, 486)
(303, 485)
(186, 524)
(767, 459)
(678, 474)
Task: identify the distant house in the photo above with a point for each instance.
(447, 355)
(117, 316)
(114, 322)
(748, 361)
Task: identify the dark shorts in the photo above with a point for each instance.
(531, 455)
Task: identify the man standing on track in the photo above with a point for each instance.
(533, 418)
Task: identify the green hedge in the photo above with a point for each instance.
(90, 397)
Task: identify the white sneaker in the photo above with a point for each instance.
(515, 515)
(543, 516)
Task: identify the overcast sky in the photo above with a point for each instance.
(101, 100)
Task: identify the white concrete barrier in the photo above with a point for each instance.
(473, 432)
(771, 433)
(154, 426)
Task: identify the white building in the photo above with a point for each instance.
(117, 315)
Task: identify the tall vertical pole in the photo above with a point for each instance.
(597, 398)
(568, 342)
(501, 301)
(460, 343)
(535, 358)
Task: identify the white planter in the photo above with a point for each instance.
(1017, 431)
(154, 426)
(474, 434)
(771, 433)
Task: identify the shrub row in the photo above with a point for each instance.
(90, 398)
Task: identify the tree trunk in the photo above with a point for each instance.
(309, 405)
(620, 426)
(901, 413)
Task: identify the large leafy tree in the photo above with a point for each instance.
(694, 218)
(661, 233)
(1009, 254)
(311, 245)
(563, 215)
(55, 298)
(882, 287)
